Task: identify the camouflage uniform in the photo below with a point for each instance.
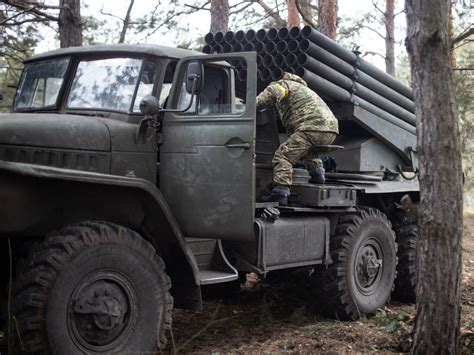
(308, 122)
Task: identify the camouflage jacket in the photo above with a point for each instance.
(299, 107)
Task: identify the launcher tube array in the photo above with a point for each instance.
(334, 72)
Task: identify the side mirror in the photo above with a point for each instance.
(149, 106)
(194, 77)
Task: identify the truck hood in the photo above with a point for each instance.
(51, 130)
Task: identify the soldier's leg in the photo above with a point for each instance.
(312, 160)
(285, 157)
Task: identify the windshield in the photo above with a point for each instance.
(40, 84)
(111, 84)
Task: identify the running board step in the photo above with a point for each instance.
(212, 263)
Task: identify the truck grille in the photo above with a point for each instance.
(84, 160)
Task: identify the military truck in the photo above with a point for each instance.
(132, 176)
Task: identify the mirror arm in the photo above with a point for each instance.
(189, 105)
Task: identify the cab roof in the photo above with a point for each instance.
(129, 49)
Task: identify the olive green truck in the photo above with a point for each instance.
(132, 176)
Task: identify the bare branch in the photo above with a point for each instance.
(399, 13)
(18, 23)
(16, 15)
(462, 36)
(241, 9)
(30, 9)
(272, 13)
(199, 8)
(306, 19)
(110, 14)
(373, 30)
(376, 5)
(126, 22)
(373, 54)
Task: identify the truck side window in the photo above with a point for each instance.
(167, 83)
(40, 84)
(146, 84)
(217, 96)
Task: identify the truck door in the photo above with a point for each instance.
(207, 172)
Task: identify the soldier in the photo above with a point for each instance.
(308, 121)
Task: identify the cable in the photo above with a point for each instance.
(399, 168)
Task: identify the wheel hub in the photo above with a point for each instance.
(106, 312)
(368, 266)
(100, 312)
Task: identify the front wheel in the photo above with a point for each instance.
(360, 279)
(93, 288)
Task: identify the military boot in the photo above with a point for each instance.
(280, 194)
(317, 175)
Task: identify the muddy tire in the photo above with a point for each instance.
(406, 232)
(93, 288)
(360, 279)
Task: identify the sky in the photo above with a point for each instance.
(199, 23)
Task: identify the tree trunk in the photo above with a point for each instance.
(219, 15)
(69, 23)
(440, 214)
(327, 16)
(293, 15)
(452, 56)
(390, 37)
(126, 22)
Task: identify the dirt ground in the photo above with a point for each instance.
(271, 320)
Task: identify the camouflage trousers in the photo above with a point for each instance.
(300, 145)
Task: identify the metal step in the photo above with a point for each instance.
(208, 277)
(212, 263)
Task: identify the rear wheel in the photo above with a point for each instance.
(360, 279)
(93, 288)
(406, 232)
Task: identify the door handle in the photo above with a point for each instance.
(238, 145)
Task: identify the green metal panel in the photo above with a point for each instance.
(207, 170)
